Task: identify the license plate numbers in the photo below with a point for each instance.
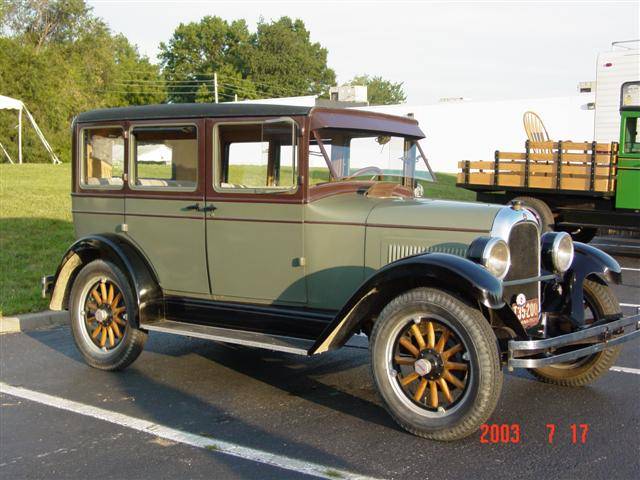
(527, 313)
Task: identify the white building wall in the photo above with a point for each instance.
(473, 130)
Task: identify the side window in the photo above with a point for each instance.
(257, 157)
(164, 157)
(631, 140)
(102, 157)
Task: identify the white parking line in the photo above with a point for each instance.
(630, 269)
(626, 370)
(631, 305)
(179, 436)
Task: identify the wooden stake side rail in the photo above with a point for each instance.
(591, 169)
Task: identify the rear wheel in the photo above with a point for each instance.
(102, 309)
(599, 301)
(435, 363)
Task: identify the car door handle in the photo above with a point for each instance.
(197, 207)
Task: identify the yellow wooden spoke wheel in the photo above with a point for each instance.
(430, 363)
(105, 314)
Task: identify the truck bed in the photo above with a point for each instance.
(580, 168)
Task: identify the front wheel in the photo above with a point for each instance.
(103, 314)
(599, 302)
(435, 363)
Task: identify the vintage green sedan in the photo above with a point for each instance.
(295, 228)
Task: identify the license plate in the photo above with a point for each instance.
(527, 313)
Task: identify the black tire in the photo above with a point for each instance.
(585, 370)
(130, 340)
(483, 375)
(541, 210)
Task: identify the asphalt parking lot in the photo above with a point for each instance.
(190, 408)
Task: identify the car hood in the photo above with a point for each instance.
(434, 215)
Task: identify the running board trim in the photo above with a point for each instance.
(276, 343)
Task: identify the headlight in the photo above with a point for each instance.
(493, 253)
(557, 251)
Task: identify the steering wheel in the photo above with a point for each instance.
(357, 173)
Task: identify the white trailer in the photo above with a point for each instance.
(620, 65)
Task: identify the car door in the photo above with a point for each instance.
(164, 199)
(255, 231)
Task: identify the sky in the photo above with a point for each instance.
(476, 50)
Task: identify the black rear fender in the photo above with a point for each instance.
(458, 275)
(125, 256)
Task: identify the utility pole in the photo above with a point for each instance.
(215, 85)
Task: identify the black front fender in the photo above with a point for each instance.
(439, 270)
(588, 261)
(117, 250)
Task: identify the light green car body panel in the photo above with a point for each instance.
(256, 261)
(315, 254)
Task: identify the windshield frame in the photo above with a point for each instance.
(334, 177)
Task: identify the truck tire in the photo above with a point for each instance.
(581, 234)
(104, 318)
(541, 210)
(601, 300)
(435, 363)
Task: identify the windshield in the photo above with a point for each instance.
(338, 155)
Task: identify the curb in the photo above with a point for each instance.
(33, 321)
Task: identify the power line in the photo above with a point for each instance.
(179, 90)
(182, 91)
(195, 83)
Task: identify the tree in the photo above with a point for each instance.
(60, 59)
(277, 60)
(131, 79)
(284, 61)
(204, 95)
(44, 21)
(198, 49)
(381, 91)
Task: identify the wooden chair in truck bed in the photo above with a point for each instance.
(536, 131)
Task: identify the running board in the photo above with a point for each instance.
(277, 343)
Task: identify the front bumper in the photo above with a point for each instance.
(540, 353)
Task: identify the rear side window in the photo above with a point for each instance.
(164, 157)
(102, 157)
(257, 157)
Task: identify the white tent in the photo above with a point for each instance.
(8, 103)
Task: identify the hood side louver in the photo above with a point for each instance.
(396, 251)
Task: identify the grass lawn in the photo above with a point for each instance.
(36, 228)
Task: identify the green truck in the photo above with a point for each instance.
(576, 187)
(628, 190)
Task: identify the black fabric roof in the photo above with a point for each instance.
(191, 110)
